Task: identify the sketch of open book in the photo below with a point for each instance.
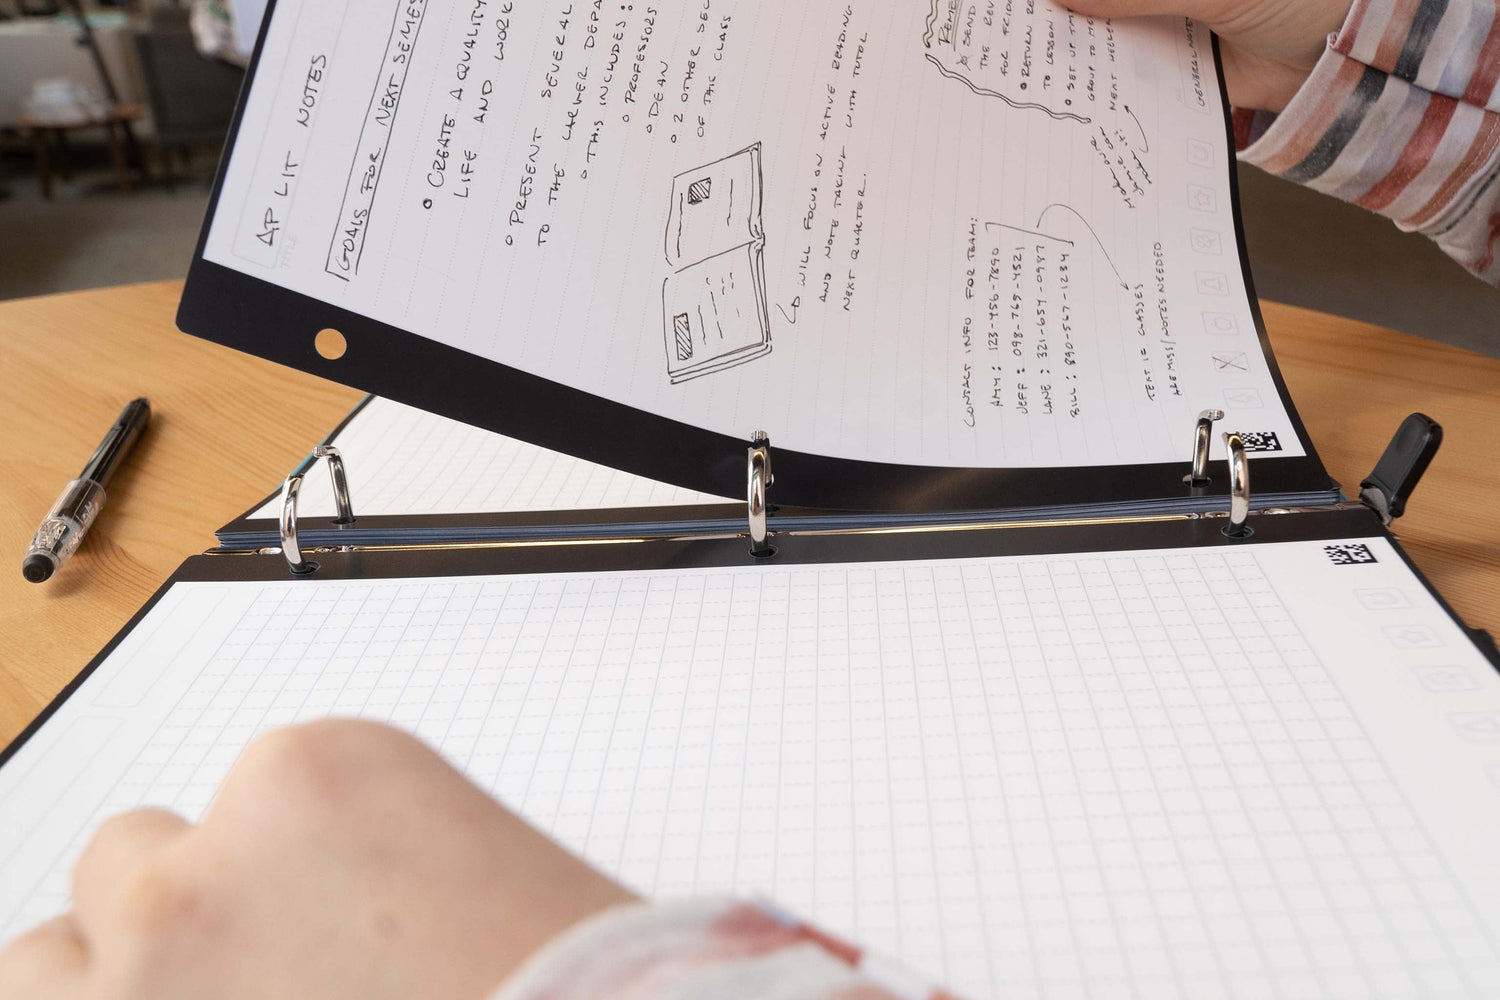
(714, 304)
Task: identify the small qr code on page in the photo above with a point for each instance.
(1349, 555)
(1260, 441)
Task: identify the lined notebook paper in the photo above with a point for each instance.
(402, 460)
(1266, 771)
(925, 233)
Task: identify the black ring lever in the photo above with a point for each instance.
(1396, 475)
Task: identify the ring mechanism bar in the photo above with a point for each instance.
(290, 548)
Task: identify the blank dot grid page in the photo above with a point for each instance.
(402, 460)
(1263, 771)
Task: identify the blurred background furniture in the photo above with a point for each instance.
(49, 139)
(191, 98)
(1310, 250)
(35, 48)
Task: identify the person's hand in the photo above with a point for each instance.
(339, 859)
(1268, 46)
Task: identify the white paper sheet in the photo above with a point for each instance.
(401, 461)
(1268, 771)
(980, 234)
(247, 15)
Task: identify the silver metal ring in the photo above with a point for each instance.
(1201, 437)
(291, 549)
(758, 482)
(1239, 486)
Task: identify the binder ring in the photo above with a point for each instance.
(290, 548)
(1204, 431)
(1239, 487)
(758, 482)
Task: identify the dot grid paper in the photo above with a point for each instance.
(1118, 775)
(402, 460)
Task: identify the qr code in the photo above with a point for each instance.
(1260, 440)
(1349, 555)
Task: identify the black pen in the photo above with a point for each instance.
(82, 499)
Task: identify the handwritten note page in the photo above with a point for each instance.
(1270, 771)
(969, 234)
(402, 460)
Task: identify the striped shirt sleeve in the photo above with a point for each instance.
(707, 950)
(1401, 115)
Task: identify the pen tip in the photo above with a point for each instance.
(37, 568)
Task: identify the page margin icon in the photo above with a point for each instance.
(1202, 199)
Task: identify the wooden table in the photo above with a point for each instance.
(228, 427)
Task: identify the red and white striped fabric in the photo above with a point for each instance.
(1402, 116)
(707, 950)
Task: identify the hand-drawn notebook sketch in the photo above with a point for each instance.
(714, 303)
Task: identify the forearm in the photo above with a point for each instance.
(1401, 116)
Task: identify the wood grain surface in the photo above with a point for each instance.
(227, 427)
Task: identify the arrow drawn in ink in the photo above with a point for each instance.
(1145, 142)
(1107, 258)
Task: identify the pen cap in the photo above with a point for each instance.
(68, 520)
